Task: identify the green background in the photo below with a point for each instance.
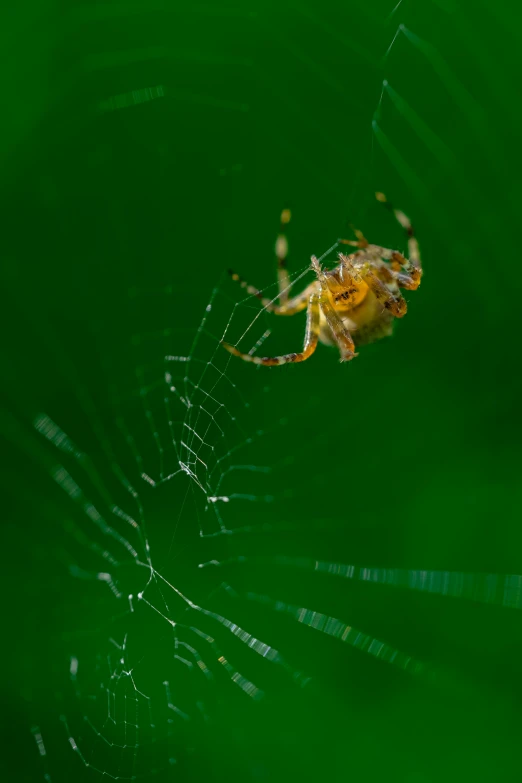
(146, 148)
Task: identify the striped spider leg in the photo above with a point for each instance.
(406, 271)
(353, 304)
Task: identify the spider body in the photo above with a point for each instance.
(353, 304)
(361, 314)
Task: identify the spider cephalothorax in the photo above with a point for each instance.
(353, 304)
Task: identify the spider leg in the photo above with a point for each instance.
(313, 321)
(283, 278)
(370, 269)
(406, 274)
(409, 271)
(361, 241)
(395, 303)
(393, 275)
(290, 307)
(339, 331)
(281, 251)
(412, 265)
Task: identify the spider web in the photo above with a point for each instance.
(159, 656)
(201, 580)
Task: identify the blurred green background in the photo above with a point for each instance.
(146, 147)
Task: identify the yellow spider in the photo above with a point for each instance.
(360, 297)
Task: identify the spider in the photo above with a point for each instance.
(353, 304)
